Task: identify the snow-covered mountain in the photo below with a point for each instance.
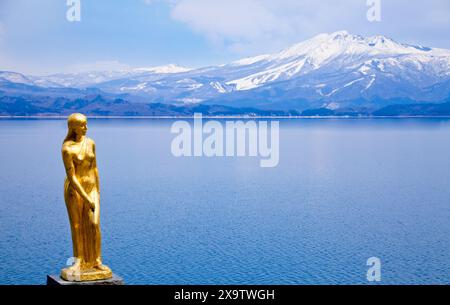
(16, 78)
(91, 79)
(168, 69)
(334, 71)
(342, 52)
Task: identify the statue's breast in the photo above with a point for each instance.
(83, 156)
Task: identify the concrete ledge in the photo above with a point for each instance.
(56, 280)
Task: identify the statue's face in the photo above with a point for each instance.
(81, 128)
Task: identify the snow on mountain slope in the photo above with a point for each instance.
(343, 50)
(15, 78)
(171, 68)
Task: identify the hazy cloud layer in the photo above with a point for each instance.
(250, 25)
(104, 65)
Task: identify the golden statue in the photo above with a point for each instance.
(82, 197)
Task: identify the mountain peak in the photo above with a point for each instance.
(339, 34)
(342, 42)
(346, 36)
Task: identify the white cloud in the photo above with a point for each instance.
(249, 26)
(237, 24)
(233, 19)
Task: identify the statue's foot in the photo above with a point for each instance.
(81, 273)
(99, 265)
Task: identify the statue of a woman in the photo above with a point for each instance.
(82, 197)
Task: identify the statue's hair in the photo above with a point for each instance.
(73, 120)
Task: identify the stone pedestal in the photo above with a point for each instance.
(56, 280)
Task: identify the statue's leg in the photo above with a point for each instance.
(98, 238)
(73, 208)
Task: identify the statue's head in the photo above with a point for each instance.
(77, 124)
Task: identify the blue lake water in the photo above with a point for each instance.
(344, 190)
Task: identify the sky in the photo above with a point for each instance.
(37, 38)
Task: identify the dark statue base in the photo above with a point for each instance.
(56, 280)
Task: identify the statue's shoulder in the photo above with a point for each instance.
(66, 147)
(66, 151)
(91, 142)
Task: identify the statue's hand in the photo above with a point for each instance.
(91, 204)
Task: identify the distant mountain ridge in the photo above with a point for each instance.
(87, 79)
(340, 72)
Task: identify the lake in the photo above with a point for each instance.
(344, 190)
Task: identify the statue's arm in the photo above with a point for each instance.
(97, 179)
(70, 172)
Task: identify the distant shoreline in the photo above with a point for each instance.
(225, 117)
